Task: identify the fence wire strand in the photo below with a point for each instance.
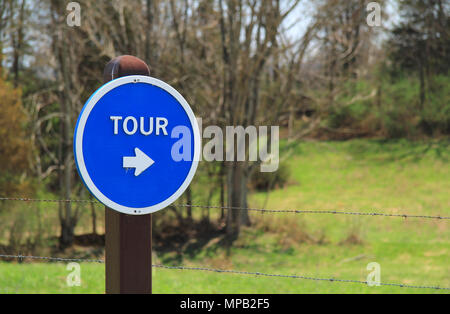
(227, 271)
(296, 277)
(335, 212)
(261, 210)
(52, 259)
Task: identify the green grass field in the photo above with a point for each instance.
(368, 176)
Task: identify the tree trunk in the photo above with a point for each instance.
(1, 56)
(94, 219)
(222, 191)
(67, 234)
(17, 39)
(245, 217)
(148, 33)
(189, 203)
(422, 85)
(61, 45)
(291, 120)
(3, 19)
(236, 180)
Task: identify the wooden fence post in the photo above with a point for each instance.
(128, 247)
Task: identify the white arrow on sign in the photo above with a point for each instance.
(140, 162)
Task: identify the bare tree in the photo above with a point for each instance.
(3, 23)
(249, 33)
(17, 35)
(71, 80)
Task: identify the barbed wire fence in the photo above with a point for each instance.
(215, 270)
(261, 210)
(22, 258)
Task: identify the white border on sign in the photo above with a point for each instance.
(78, 144)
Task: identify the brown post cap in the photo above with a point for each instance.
(123, 66)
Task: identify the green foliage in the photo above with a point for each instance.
(402, 114)
(266, 181)
(435, 117)
(420, 41)
(14, 145)
(391, 108)
(411, 81)
(399, 109)
(354, 107)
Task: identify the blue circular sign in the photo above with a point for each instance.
(136, 144)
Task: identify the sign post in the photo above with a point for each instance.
(137, 146)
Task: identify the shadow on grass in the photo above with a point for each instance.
(386, 151)
(188, 238)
